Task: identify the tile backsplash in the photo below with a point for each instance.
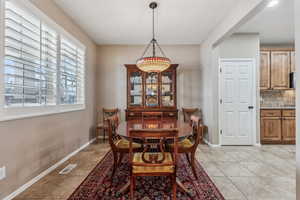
(277, 98)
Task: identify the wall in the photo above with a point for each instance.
(209, 55)
(244, 46)
(277, 98)
(297, 42)
(30, 146)
(111, 73)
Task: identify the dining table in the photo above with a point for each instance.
(184, 131)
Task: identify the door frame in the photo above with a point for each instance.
(254, 100)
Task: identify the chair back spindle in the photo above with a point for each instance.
(154, 153)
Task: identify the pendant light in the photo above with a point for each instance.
(153, 63)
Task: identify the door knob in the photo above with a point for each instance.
(250, 107)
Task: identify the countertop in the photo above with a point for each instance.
(279, 108)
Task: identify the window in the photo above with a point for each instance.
(43, 65)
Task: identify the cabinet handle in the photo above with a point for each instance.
(131, 114)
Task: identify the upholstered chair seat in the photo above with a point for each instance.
(184, 144)
(137, 158)
(124, 144)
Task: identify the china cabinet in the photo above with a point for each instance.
(150, 92)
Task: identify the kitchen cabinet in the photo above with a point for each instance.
(265, 65)
(270, 126)
(288, 126)
(275, 68)
(280, 69)
(293, 66)
(277, 126)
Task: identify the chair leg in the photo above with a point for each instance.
(120, 158)
(174, 187)
(97, 134)
(188, 158)
(104, 131)
(132, 182)
(193, 164)
(115, 165)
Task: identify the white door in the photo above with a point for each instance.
(237, 99)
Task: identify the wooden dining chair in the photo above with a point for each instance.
(103, 126)
(152, 115)
(189, 145)
(119, 145)
(188, 112)
(154, 160)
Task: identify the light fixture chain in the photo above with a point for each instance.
(162, 52)
(148, 46)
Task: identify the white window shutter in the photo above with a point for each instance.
(30, 78)
(72, 62)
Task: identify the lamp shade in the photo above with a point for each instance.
(153, 64)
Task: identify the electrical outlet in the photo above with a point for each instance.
(2, 173)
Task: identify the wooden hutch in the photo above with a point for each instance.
(151, 92)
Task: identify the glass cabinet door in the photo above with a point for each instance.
(151, 90)
(136, 88)
(167, 89)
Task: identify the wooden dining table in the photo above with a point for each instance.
(184, 131)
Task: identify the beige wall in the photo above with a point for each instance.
(209, 55)
(245, 46)
(111, 73)
(30, 146)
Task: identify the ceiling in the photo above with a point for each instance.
(129, 21)
(275, 25)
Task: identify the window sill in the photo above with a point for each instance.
(9, 114)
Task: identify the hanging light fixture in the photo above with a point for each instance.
(153, 63)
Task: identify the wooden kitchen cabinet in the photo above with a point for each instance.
(280, 69)
(265, 65)
(293, 66)
(288, 130)
(277, 126)
(270, 130)
(288, 126)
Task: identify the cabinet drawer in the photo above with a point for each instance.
(170, 114)
(270, 113)
(288, 113)
(134, 114)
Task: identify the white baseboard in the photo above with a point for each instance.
(257, 145)
(211, 145)
(47, 171)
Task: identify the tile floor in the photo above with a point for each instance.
(240, 173)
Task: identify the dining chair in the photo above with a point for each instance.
(189, 146)
(152, 115)
(103, 126)
(119, 145)
(154, 160)
(188, 112)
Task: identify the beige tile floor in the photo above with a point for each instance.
(240, 173)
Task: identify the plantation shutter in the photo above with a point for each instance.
(30, 59)
(72, 72)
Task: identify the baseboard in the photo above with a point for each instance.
(257, 145)
(47, 171)
(211, 145)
